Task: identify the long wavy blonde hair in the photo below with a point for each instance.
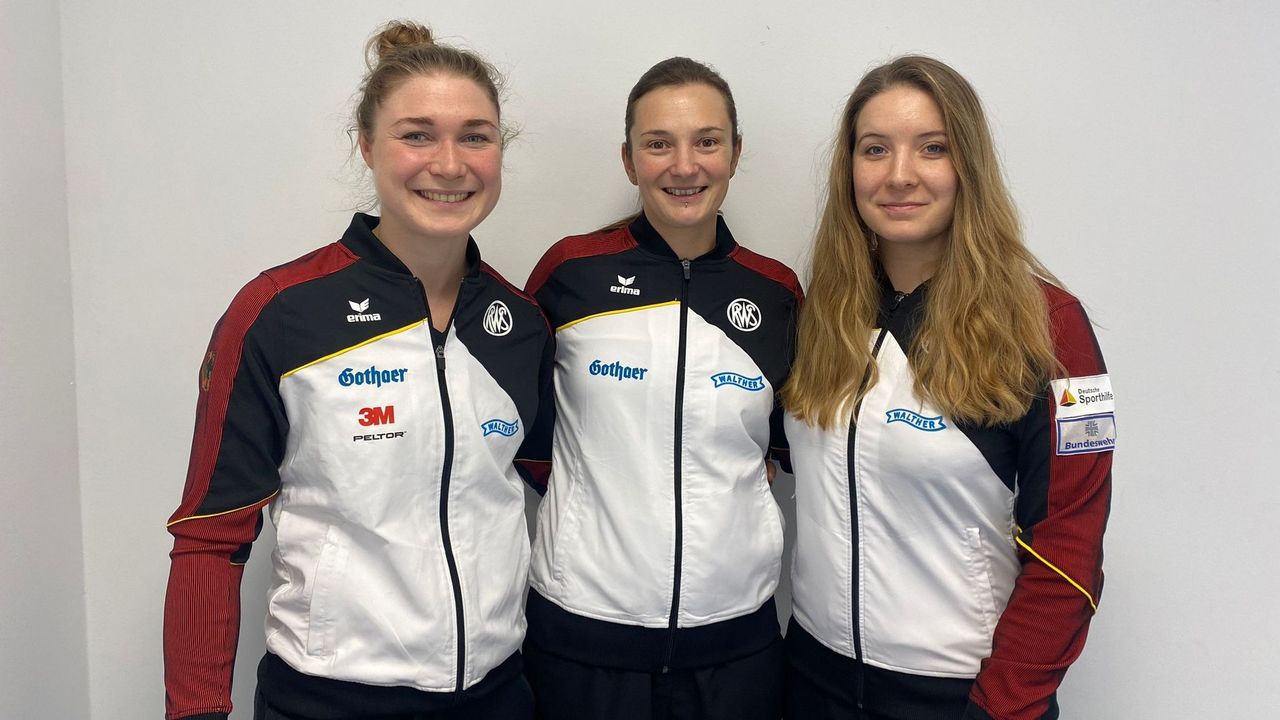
(983, 350)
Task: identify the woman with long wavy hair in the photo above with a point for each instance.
(951, 426)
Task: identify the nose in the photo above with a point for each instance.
(447, 162)
(685, 162)
(902, 173)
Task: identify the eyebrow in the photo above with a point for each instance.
(699, 131)
(474, 122)
(882, 136)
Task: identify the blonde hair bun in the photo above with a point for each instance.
(395, 37)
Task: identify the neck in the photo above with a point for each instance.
(907, 267)
(439, 265)
(689, 243)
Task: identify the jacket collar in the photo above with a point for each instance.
(359, 239)
(649, 239)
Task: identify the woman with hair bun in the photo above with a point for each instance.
(374, 393)
(659, 542)
(951, 424)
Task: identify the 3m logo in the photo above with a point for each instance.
(624, 286)
(497, 319)
(378, 415)
(360, 315)
(743, 314)
(1067, 399)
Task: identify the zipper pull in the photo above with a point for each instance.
(440, 358)
(685, 265)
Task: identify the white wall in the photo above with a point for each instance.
(43, 673)
(204, 142)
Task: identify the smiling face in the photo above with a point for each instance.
(904, 183)
(681, 156)
(435, 151)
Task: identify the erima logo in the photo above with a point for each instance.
(743, 314)
(624, 286)
(359, 315)
(736, 380)
(502, 427)
(915, 420)
(497, 319)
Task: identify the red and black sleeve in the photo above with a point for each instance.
(232, 473)
(1062, 507)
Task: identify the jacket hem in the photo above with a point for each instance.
(642, 649)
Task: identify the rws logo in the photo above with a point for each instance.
(743, 314)
(624, 286)
(360, 315)
(497, 319)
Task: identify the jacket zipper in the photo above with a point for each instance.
(445, 476)
(679, 447)
(853, 508)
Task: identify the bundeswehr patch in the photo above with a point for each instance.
(1085, 409)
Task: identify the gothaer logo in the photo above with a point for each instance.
(360, 315)
(743, 314)
(502, 427)
(731, 378)
(624, 286)
(1067, 399)
(915, 420)
(497, 319)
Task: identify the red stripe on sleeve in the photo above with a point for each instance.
(1043, 628)
(574, 247)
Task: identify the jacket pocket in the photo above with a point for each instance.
(326, 587)
(979, 567)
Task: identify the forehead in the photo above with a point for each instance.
(695, 105)
(900, 109)
(438, 96)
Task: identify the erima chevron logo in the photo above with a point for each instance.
(915, 420)
(502, 427)
(359, 315)
(1067, 399)
(624, 286)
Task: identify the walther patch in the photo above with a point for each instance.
(915, 420)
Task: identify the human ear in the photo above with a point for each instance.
(629, 166)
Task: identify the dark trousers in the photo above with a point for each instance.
(806, 700)
(749, 688)
(513, 700)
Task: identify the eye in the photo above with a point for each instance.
(708, 142)
(477, 139)
(935, 148)
(415, 137)
(875, 150)
(657, 145)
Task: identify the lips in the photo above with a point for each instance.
(684, 192)
(445, 197)
(901, 209)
